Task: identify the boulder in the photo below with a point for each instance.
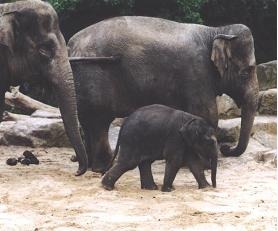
(118, 122)
(268, 102)
(269, 156)
(34, 132)
(227, 108)
(267, 75)
(264, 130)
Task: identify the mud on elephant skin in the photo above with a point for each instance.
(175, 64)
(32, 49)
(158, 132)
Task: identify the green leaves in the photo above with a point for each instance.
(64, 5)
(178, 10)
(189, 11)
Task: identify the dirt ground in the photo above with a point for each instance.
(49, 197)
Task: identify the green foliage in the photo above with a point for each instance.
(190, 11)
(77, 14)
(64, 5)
(259, 15)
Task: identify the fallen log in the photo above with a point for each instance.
(8, 116)
(19, 100)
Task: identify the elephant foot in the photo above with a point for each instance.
(149, 187)
(80, 171)
(102, 164)
(167, 188)
(108, 187)
(227, 150)
(107, 183)
(203, 185)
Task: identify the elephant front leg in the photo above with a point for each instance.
(197, 170)
(171, 169)
(99, 151)
(146, 176)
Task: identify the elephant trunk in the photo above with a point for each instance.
(214, 159)
(248, 112)
(64, 86)
(247, 120)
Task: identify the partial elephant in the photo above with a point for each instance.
(184, 66)
(32, 49)
(158, 132)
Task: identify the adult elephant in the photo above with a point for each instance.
(32, 48)
(184, 66)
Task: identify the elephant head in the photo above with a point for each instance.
(199, 136)
(33, 48)
(234, 58)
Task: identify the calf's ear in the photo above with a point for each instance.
(190, 131)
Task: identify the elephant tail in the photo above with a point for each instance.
(115, 151)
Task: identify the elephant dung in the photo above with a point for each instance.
(34, 132)
(267, 75)
(268, 102)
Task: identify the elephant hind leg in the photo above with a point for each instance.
(96, 138)
(121, 166)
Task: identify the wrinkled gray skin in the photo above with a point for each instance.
(184, 66)
(158, 132)
(33, 49)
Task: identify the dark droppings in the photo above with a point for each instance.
(27, 159)
(11, 161)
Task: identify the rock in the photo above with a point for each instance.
(268, 102)
(267, 75)
(267, 156)
(264, 130)
(118, 122)
(227, 108)
(35, 132)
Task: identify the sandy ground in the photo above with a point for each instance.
(50, 197)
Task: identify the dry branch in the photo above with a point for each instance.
(8, 116)
(19, 100)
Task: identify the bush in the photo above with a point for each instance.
(77, 14)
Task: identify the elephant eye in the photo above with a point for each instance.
(46, 51)
(244, 74)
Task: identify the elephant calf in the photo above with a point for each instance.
(158, 132)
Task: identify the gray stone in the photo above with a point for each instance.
(268, 102)
(267, 75)
(34, 132)
(227, 108)
(264, 130)
(269, 156)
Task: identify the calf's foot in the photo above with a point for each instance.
(107, 183)
(149, 186)
(167, 188)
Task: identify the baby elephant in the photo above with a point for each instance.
(158, 132)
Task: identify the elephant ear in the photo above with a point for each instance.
(190, 131)
(8, 24)
(221, 51)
